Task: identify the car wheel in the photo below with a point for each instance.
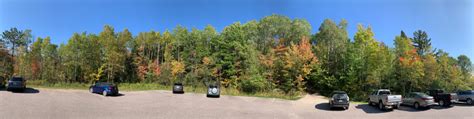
(441, 103)
(396, 106)
(469, 101)
(416, 105)
(381, 106)
(345, 108)
(104, 93)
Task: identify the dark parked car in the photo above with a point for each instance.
(418, 100)
(213, 91)
(16, 83)
(443, 99)
(466, 96)
(178, 88)
(104, 88)
(2, 82)
(339, 99)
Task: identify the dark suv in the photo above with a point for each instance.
(213, 91)
(16, 83)
(442, 98)
(2, 82)
(339, 99)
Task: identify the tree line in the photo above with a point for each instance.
(273, 54)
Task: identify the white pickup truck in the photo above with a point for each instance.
(384, 99)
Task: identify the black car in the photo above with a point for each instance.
(2, 82)
(16, 83)
(443, 99)
(339, 99)
(178, 88)
(104, 88)
(213, 91)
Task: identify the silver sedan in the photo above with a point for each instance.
(418, 100)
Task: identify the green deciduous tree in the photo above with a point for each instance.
(409, 66)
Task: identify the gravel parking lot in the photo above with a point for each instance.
(63, 104)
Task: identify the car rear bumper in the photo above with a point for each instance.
(113, 92)
(391, 105)
(340, 105)
(178, 89)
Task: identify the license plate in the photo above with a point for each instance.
(340, 101)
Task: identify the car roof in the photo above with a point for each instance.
(417, 93)
(105, 83)
(18, 78)
(339, 92)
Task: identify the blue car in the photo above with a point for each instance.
(16, 83)
(104, 88)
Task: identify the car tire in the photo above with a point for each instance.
(416, 105)
(104, 93)
(469, 101)
(396, 106)
(441, 103)
(345, 108)
(380, 105)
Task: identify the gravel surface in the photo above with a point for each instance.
(80, 104)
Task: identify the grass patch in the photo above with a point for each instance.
(43, 84)
(357, 102)
(154, 86)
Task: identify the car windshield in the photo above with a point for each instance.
(105, 83)
(422, 94)
(384, 93)
(17, 79)
(340, 96)
(470, 92)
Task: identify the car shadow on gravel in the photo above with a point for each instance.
(118, 95)
(412, 109)
(27, 90)
(441, 107)
(462, 105)
(370, 109)
(325, 106)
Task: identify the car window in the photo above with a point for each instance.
(384, 93)
(422, 94)
(470, 92)
(339, 96)
(17, 79)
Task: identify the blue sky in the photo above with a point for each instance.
(449, 23)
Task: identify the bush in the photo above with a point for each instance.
(252, 85)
